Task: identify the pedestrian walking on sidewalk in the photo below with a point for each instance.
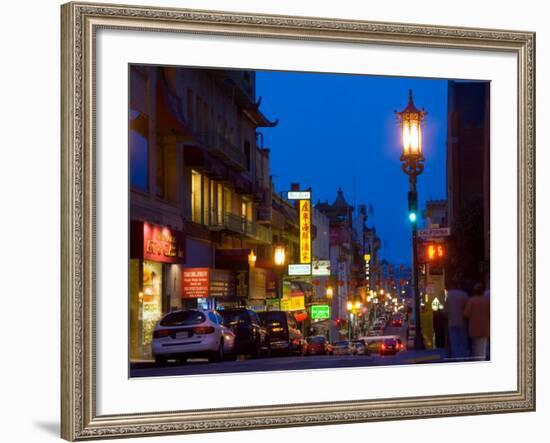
(477, 311)
(456, 323)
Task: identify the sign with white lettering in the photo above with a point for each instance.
(434, 232)
(299, 195)
(321, 267)
(299, 269)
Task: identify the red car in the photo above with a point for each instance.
(389, 346)
(397, 322)
(318, 345)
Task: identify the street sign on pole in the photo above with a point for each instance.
(299, 195)
(434, 232)
(320, 312)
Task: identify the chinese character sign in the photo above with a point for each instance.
(305, 231)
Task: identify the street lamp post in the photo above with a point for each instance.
(412, 164)
(350, 318)
(279, 259)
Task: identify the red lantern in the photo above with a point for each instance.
(300, 316)
(340, 283)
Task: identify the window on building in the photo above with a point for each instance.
(247, 154)
(160, 171)
(167, 172)
(139, 151)
(206, 118)
(246, 209)
(220, 204)
(219, 126)
(198, 108)
(227, 200)
(206, 201)
(213, 204)
(196, 197)
(190, 107)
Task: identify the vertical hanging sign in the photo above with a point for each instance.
(305, 231)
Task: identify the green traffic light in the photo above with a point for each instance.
(412, 217)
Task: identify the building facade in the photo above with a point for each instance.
(200, 194)
(468, 177)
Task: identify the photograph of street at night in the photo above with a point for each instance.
(298, 221)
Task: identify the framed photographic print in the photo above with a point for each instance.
(283, 221)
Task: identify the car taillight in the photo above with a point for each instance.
(383, 347)
(161, 333)
(277, 329)
(201, 330)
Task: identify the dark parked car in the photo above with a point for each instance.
(389, 346)
(360, 347)
(318, 345)
(283, 334)
(250, 335)
(343, 347)
(397, 321)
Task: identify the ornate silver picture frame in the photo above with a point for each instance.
(80, 23)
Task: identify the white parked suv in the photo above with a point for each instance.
(191, 333)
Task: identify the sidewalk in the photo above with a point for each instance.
(426, 356)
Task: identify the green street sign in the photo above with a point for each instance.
(320, 312)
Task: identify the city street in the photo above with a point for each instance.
(202, 366)
(243, 243)
(196, 367)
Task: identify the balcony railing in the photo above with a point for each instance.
(221, 146)
(241, 225)
(259, 232)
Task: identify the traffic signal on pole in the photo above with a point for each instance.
(434, 251)
(412, 206)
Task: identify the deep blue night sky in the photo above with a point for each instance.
(330, 125)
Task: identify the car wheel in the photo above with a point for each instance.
(160, 361)
(217, 356)
(256, 349)
(230, 356)
(267, 352)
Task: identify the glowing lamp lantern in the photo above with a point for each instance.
(280, 255)
(349, 306)
(329, 292)
(251, 258)
(411, 130)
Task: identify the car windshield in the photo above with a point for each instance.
(390, 341)
(231, 317)
(181, 318)
(341, 343)
(359, 342)
(316, 340)
(271, 318)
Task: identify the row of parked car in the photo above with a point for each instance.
(222, 335)
(380, 324)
